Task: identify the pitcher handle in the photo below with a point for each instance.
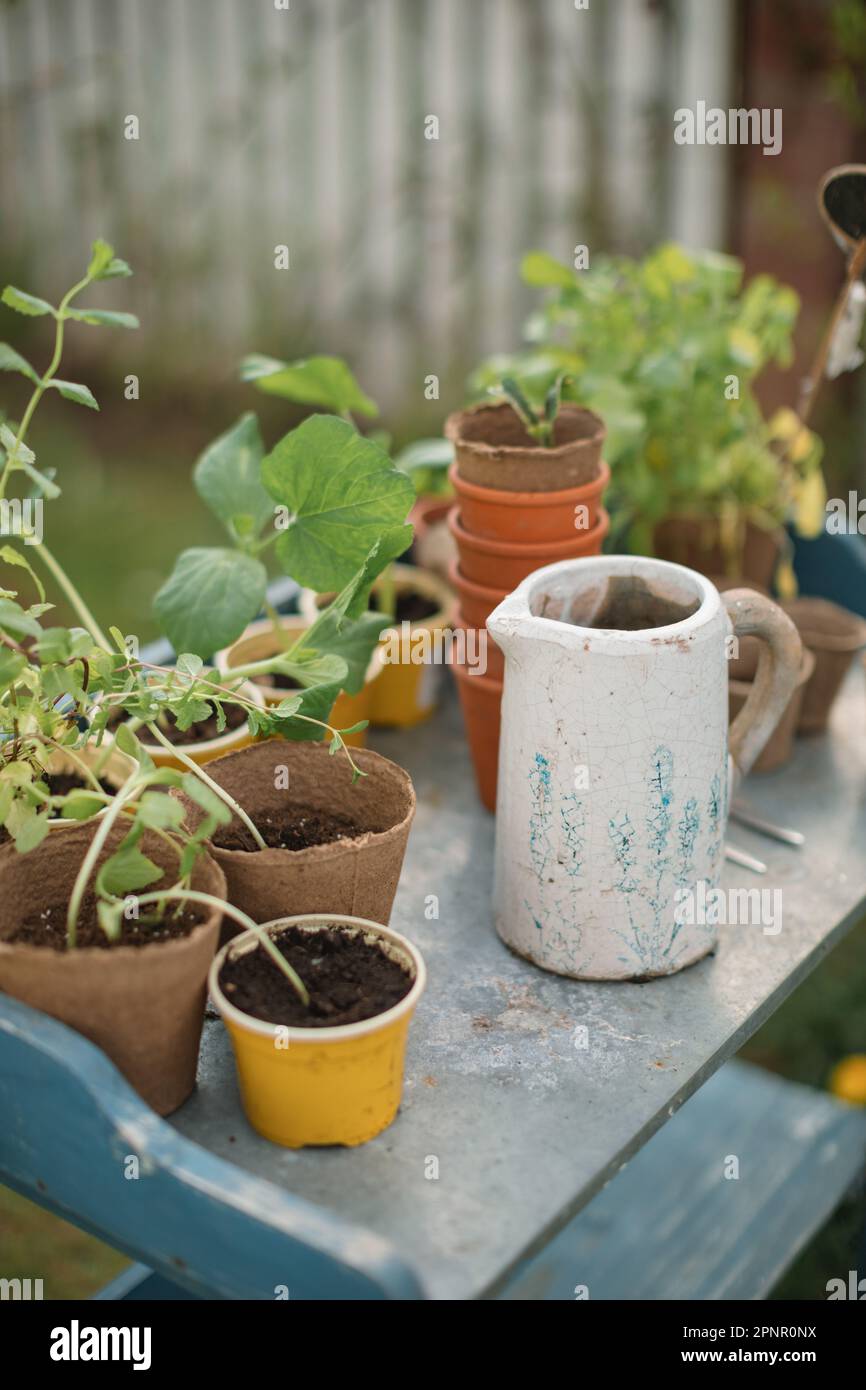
(753, 615)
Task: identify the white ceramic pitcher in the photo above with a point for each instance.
(614, 767)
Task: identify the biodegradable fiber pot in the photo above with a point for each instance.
(493, 450)
(615, 759)
(529, 517)
(833, 635)
(506, 563)
(143, 1005)
(357, 876)
(338, 1085)
(695, 541)
(777, 750)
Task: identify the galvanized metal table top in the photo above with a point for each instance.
(527, 1092)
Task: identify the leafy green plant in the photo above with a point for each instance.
(17, 457)
(539, 422)
(667, 350)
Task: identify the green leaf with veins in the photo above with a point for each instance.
(12, 361)
(326, 382)
(341, 492)
(101, 256)
(24, 303)
(311, 668)
(210, 597)
(316, 703)
(354, 641)
(31, 831)
(81, 804)
(74, 391)
(227, 477)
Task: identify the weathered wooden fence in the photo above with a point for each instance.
(310, 127)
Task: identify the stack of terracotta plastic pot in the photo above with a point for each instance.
(519, 507)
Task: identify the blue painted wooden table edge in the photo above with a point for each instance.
(71, 1127)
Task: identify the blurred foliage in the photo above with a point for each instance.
(667, 351)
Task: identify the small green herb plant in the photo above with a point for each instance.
(667, 350)
(539, 422)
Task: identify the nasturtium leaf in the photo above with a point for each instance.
(227, 477)
(326, 382)
(12, 361)
(539, 269)
(341, 493)
(111, 318)
(210, 597)
(127, 871)
(25, 303)
(74, 391)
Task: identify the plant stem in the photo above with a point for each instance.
(209, 781)
(191, 895)
(89, 861)
(74, 597)
(41, 387)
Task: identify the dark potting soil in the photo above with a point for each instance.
(411, 607)
(47, 928)
(348, 979)
(201, 732)
(294, 827)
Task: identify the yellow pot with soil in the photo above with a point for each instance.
(408, 688)
(259, 642)
(317, 1085)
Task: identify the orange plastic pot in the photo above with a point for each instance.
(480, 698)
(525, 517)
(507, 563)
(477, 601)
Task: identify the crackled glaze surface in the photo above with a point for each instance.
(613, 781)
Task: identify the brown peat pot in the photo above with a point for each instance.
(143, 1005)
(493, 450)
(357, 874)
(834, 636)
(777, 749)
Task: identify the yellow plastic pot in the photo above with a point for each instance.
(407, 690)
(302, 1086)
(259, 642)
